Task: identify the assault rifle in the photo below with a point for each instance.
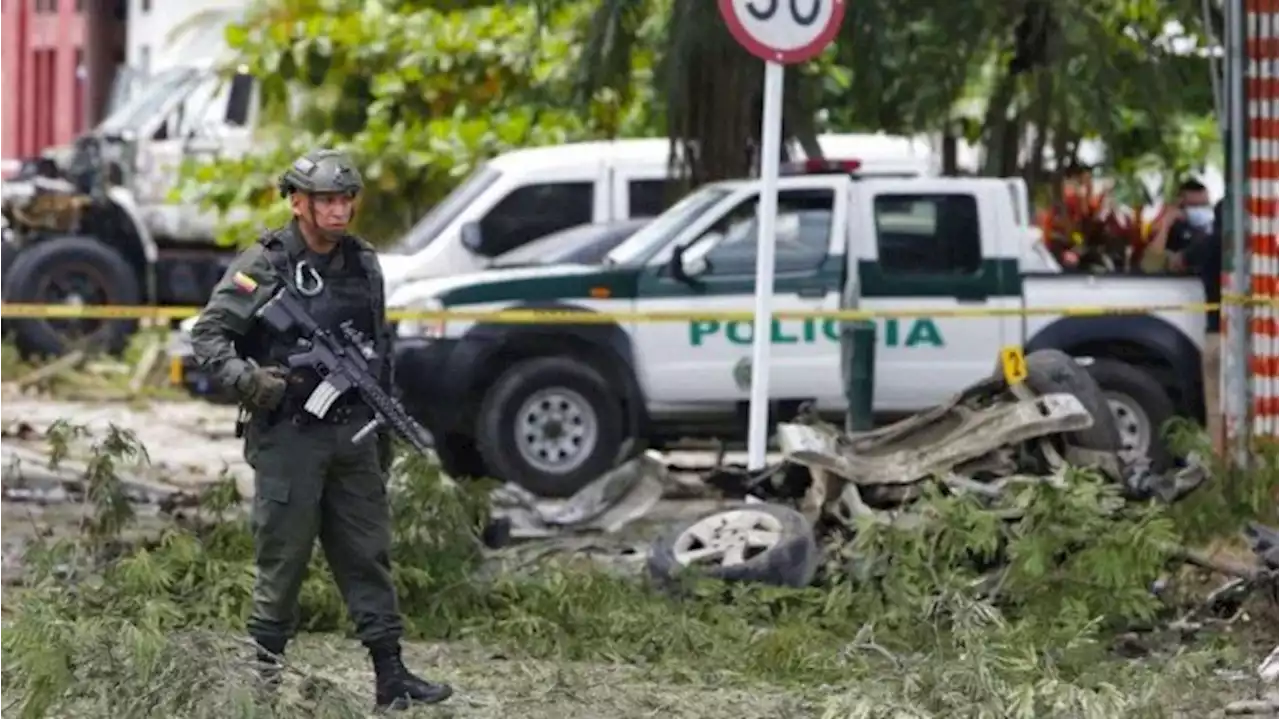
(342, 364)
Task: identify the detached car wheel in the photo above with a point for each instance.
(766, 543)
(551, 425)
(1140, 407)
(71, 270)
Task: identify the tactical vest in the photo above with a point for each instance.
(351, 295)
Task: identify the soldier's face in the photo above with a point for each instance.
(329, 211)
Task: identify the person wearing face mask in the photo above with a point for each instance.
(1189, 241)
(310, 480)
(1205, 259)
(1183, 228)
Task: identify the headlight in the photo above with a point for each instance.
(431, 328)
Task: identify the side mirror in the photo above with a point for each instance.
(694, 266)
(202, 146)
(205, 141)
(471, 237)
(686, 267)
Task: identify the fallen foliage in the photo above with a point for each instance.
(964, 615)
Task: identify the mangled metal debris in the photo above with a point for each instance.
(988, 437)
(607, 504)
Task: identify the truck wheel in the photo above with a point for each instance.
(71, 270)
(1141, 406)
(8, 251)
(458, 456)
(550, 425)
(766, 543)
(1050, 371)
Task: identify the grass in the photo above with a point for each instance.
(895, 628)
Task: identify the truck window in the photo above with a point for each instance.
(238, 100)
(935, 234)
(647, 198)
(434, 223)
(534, 211)
(803, 233)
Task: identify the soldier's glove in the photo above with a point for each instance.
(262, 388)
(386, 452)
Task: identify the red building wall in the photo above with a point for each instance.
(43, 95)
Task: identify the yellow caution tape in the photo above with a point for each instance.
(96, 312)
(531, 316)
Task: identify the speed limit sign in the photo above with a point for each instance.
(783, 31)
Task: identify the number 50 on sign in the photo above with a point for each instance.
(783, 31)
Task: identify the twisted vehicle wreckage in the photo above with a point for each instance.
(990, 436)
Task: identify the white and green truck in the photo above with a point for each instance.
(552, 406)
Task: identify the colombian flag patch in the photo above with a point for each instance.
(244, 282)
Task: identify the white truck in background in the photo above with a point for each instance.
(552, 406)
(525, 194)
(93, 224)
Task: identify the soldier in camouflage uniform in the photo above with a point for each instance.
(310, 480)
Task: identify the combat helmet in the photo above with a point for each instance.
(321, 171)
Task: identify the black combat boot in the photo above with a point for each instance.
(395, 686)
(270, 670)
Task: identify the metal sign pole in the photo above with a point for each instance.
(766, 239)
(779, 37)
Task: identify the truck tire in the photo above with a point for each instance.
(1050, 371)
(67, 269)
(1141, 406)
(551, 425)
(8, 251)
(765, 543)
(458, 456)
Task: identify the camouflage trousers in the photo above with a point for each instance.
(311, 482)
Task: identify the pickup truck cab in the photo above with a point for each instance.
(530, 193)
(552, 406)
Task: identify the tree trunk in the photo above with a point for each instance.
(1043, 118)
(996, 124)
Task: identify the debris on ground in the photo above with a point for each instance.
(987, 438)
(187, 449)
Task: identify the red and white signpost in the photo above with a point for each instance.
(780, 32)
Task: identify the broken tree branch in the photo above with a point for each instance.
(146, 366)
(62, 365)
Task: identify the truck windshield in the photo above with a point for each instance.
(655, 235)
(147, 102)
(433, 224)
(586, 244)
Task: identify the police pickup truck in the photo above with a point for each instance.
(553, 405)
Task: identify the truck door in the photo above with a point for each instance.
(931, 246)
(546, 203)
(707, 361)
